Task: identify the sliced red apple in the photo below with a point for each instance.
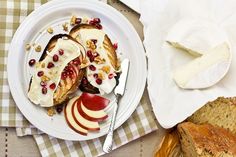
(94, 102)
(70, 119)
(81, 121)
(96, 116)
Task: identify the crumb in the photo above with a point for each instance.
(65, 26)
(106, 69)
(85, 20)
(45, 78)
(101, 76)
(73, 20)
(99, 60)
(90, 44)
(51, 111)
(27, 47)
(38, 48)
(43, 65)
(50, 30)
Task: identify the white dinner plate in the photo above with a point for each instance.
(33, 30)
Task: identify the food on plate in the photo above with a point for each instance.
(209, 44)
(85, 112)
(170, 147)
(58, 71)
(220, 112)
(70, 119)
(196, 36)
(50, 30)
(206, 140)
(104, 64)
(206, 70)
(37, 48)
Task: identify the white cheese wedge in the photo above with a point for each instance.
(196, 36)
(71, 51)
(206, 70)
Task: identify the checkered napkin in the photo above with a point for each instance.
(140, 123)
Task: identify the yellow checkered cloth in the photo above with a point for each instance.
(12, 13)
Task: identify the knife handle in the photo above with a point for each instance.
(107, 146)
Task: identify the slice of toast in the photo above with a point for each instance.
(206, 140)
(68, 85)
(109, 49)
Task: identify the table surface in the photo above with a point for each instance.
(12, 146)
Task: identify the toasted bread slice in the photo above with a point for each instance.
(206, 141)
(68, 85)
(109, 50)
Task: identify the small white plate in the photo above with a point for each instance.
(33, 30)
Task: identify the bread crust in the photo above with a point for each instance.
(206, 140)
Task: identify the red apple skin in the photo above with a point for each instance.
(81, 125)
(94, 102)
(67, 121)
(83, 114)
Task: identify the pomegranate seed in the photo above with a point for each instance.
(92, 67)
(50, 65)
(115, 45)
(98, 81)
(32, 62)
(94, 41)
(61, 52)
(59, 109)
(67, 73)
(71, 72)
(95, 54)
(44, 90)
(40, 73)
(43, 84)
(95, 75)
(110, 76)
(78, 20)
(52, 86)
(76, 62)
(63, 75)
(97, 20)
(84, 81)
(55, 58)
(91, 58)
(91, 22)
(89, 53)
(98, 26)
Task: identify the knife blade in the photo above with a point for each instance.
(120, 88)
(119, 92)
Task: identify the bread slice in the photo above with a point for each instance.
(109, 49)
(69, 85)
(206, 141)
(221, 112)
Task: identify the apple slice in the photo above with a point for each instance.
(81, 121)
(95, 116)
(94, 102)
(70, 119)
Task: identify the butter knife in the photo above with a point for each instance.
(119, 92)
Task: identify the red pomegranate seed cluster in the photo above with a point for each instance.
(96, 22)
(92, 55)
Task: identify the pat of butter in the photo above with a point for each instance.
(71, 51)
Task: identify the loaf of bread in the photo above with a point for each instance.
(206, 140)
(221, 112)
